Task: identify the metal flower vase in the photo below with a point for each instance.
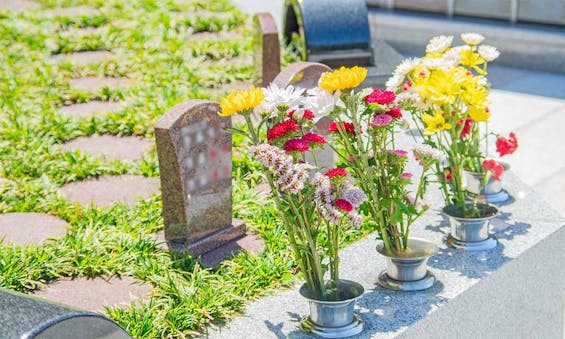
(492, 192)
(333, 318)
(408, 270)
(471, 234)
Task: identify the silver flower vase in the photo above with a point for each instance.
(492, 192)
(471, 234)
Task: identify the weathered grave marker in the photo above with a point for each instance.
(266, 54)
(195, 162)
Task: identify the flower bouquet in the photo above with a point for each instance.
(313, 206)
(362, 134)
(446, 92)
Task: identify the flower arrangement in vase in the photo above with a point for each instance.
(362, 134)
(313, 205)
(446, 93)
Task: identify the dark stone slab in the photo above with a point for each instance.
(24, 316)
(334, 32)
(422, 5)
(267, 54)
(95, 294)
(30, 228)
(499, 9)
(107, 190)
(195, 163)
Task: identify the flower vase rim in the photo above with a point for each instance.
(353, 285)
(495, 214)
(431, 246)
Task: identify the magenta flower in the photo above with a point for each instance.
(381, 120)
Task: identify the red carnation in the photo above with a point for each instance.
(494, 168)
(349, 127)
(296, 145)
(395, 112)
(336, 172)
(281, 129)
(343, 205)
(506, 146)
(308, 114)
(290, 113)
(314, 138)
(380, 97)
(466, 128)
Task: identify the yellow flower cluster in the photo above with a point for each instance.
(241, 101)
(342, 78)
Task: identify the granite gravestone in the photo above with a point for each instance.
(195, 162)
(266, 55)
(306, 75)
(336, 33)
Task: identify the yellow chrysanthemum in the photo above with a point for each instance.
(441, 86)
(435, 123)
(472, 60)
(240, 101)
(342, 78)
(479, 114)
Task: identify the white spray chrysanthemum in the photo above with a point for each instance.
(488, 53)
(393, 82)
(472, 39)
(439, 44)
(406, 66)
(275, 96)
(320, 102)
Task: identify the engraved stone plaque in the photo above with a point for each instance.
(195, 163)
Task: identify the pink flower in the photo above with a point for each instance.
(506, 146)
(314, 138)
(494, 168)
(343, 205)
(336, 172)
(406, 175)
(296, 145)
(380, 97)
(381, 120)
(400, 153)
(406, 86)
(395, 112)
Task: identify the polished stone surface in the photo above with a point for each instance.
(30, 228)
(195, 165)
(107, 190)
(111, 147)
(266, 53)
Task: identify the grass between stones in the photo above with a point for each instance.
(152, 46)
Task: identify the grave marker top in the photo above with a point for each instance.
(195, 162)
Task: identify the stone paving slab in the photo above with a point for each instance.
(91, 109)
(111, 147)
(552, 189)
(107, 190)
(71, 11)
(95, 84)
(386, 313)
(30, 228)
(539, 83)
(94, 294)
(251, 243)
(216, 36)
(83, 58)
(17, 5)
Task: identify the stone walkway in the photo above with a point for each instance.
(91, 109)
(30, 228)
(111, 147)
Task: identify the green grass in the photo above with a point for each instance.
(152, 46)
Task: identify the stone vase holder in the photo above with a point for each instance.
(471, 234)
(333, 318)
(408, 271)
(492, 193)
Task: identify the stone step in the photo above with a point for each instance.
(111, 147)
(95, 84)
(71, 11)
(17, 5)
(107, 190)
(95, 294)
(91, 109)
(83, 58)
(30, 228)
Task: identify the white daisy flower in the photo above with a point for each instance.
(393, 82)
(433, 63)
(320, 102)
(488, 53)
(439, 44)
(472, 39)
(407, 96)
(275, 96)
(451, 58)
(406, 66)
